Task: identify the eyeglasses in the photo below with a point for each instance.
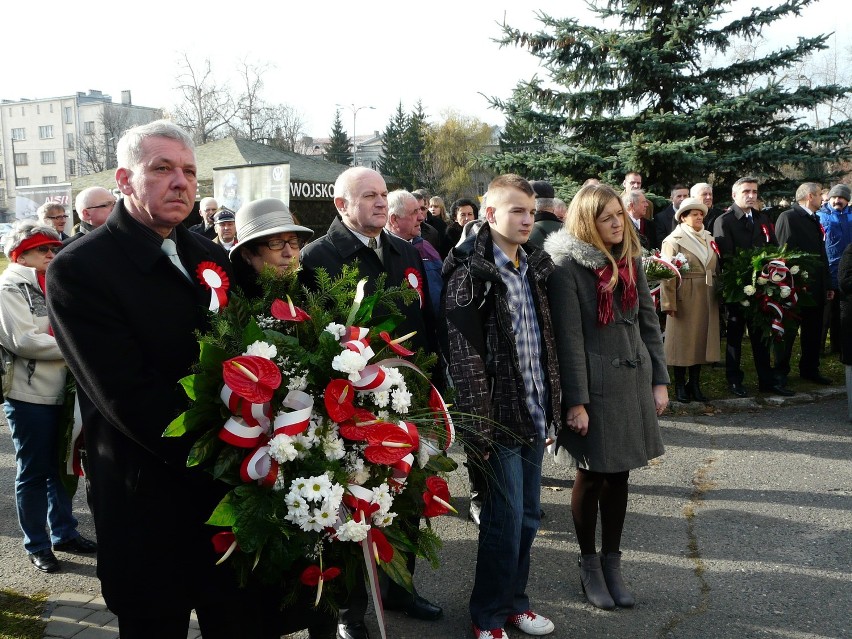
(44, 250)
(210, 210)
(423, 208)
(56, 217)
(278, 244)
(100, 206)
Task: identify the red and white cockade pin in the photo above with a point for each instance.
(415, 281)
(213, 277)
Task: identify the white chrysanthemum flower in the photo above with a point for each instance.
(762, 280)
(393, 376)
(745, 303)
(325, 516)
(805, 274)
(298, 382)
(335, 497)
(281, 449)
(381, 398)
(785, 291)
(311, 524)
(297, 507)
(382, 496)
(382, 519)
(333, 447)
(338, 330)
(777, 276)
(794, 269)
(748, 289)
(262, 349)
(352, 531)
(316, 488)
(401, 400)
(280, 483)
(303, 444)
(383, 415)
(349, 362)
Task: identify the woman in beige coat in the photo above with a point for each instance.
(692, 328)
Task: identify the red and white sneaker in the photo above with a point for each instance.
(496, 633)
(531, 623)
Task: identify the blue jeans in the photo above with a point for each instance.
(511, 514)
(40, 496)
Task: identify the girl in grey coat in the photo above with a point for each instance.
(613, 375)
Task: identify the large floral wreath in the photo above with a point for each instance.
(328, 429)
(770, 284)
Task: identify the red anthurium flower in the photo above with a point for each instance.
(436, 499)
(224, 542)
(339, 398)
(356, 428)
(251, 377)
(361, 508)
(382, 548)
(395, 344)
(387, 444)
(286, 311)
(312, 574)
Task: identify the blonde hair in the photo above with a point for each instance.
(581, 219)
(436, 201)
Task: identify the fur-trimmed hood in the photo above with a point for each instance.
(562, 246)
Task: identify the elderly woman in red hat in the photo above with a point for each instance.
(33, 404)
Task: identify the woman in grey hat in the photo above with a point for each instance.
(692, 327)
(267, 235)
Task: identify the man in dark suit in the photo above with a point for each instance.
(206, 227)
(635, 203)
(743, 226)
(125, 308)
(800, 230)
(357, 235)
(664, 220)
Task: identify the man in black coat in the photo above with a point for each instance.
(664, 220)
(744, 227)
(207, 227)
(635, 203)
(125, 315)
(799, 228)
(357, 235)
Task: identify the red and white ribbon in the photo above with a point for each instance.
(214, 278)
(252, 414)
(297, 420)
(372, 379)
(259, 466)
(765, 230)
(415, 281)
(237, 433)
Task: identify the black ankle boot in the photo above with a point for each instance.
(680, 384)
(693, 387)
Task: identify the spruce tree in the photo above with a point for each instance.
(392, 162)
(649, 92)
(339, 147)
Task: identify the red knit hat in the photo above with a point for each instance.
(33, 241)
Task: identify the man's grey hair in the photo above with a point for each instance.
(632, 198)
(696, 189)
(544, 204)
(396, 202)
(84, 197)
(129, 149)
(205, 201)
(46, 208)
(806, 189)
(559, 204)
(24, 229)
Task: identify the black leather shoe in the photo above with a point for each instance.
(78, 545)
(818, 379)
(415, 607)
(45, 560)
(777, 389)
(354, 630)
(738, 390)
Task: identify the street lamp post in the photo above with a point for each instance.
(354, 110)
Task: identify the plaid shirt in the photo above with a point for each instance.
(527, 334)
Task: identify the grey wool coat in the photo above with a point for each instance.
(610, 369)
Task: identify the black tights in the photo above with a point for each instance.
(610, 491)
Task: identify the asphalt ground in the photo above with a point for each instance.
(743, 529)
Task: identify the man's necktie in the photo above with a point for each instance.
(372, 243)
(170, 249)
(749, 223)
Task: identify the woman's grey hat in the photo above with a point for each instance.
(690, 204)
(262, 218)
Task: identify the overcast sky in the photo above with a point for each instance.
(322, 52)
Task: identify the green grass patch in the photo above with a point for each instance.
(20, 615)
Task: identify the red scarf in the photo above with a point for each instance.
(628, 295)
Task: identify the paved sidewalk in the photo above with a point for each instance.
(743, 527)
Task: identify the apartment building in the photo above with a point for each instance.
(51, 140)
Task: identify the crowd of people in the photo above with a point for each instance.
(540, 313)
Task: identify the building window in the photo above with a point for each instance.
(22, 111)
(20, 159)
(69, 115)
(89, 128)
(19, 134)
(45, 132)
(69, 141)
(72, 167)
(22, 182)
(38, 109)
(49, 179)
(48, 157)
(51, 107)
